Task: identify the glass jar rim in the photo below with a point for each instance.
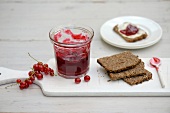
(73, 26)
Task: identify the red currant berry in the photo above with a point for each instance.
(30, 82)
(40, 63)
(49, 69)
(18, 80)
(26, 80)
(52, 73)
(46, 71)
(23, 83)
(26, 85)
(36, 72)
(77, 80)
(31, 73)
(32, 78)
(39, 76)
(41, 68)
(45, 65)
(22, 87)
(86, 78)
(36, 67)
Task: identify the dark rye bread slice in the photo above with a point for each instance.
(119, 62)
(139, 79)
(137, 70)
(142, 36)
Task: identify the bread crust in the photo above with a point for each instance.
(143, 36)
(139, 79)
(136, 71)
(119, 62)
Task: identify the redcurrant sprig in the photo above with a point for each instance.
(37, 71)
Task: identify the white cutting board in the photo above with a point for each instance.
(98, 85)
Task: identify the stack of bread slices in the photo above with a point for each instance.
(125, 66)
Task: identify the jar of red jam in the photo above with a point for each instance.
(72, 49)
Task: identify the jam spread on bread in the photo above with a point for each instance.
(130, 30)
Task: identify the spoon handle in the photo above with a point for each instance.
(161, 79)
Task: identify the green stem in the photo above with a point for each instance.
(33, 57)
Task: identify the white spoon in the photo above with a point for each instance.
(156, 62)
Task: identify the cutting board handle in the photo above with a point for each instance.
(10, 76)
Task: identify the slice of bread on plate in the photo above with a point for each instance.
(130, 32)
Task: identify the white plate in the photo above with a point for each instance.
(152, 28)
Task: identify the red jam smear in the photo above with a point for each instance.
(157, 60)
(72, 38)
(130, 30)
(68, 31)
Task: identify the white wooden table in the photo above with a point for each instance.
(24, 27)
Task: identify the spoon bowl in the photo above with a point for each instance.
(156, 62)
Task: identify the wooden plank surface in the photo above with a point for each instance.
(24, 27)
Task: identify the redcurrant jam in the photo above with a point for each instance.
(72, 67)
(72, 61)
(130, 30)
(157, 60)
